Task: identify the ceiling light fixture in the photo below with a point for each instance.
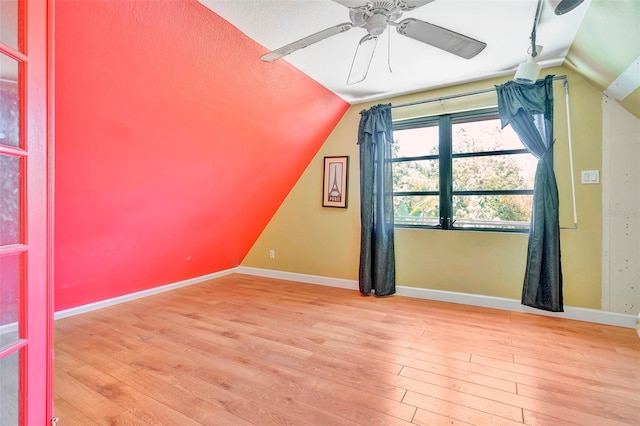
(527, 72)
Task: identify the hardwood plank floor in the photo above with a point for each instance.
(241, 350)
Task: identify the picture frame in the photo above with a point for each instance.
(335, 181)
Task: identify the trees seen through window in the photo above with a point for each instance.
(461, 171)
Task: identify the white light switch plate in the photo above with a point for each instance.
(590, 176)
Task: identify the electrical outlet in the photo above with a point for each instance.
(272, 254)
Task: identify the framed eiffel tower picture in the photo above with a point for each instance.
(334, 186)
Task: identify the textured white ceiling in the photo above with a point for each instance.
(505, 25)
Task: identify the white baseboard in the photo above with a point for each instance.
(580, 314)
(303, 278)
(144, 293)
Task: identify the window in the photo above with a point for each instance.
(461, 171)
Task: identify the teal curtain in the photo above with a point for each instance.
(377, 256)
(529, 110)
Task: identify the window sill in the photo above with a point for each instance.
(488, 229)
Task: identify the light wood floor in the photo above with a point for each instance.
(245, 350)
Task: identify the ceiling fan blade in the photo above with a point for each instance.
(412, 4)
(442, 38)
(362, 59)
(307, 41)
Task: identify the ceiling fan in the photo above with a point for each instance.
(375, 17)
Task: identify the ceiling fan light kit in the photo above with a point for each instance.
(376, 24)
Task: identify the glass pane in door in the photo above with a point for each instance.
(9, 97)
(10, 176)
(9, 23)
(10, 274)
(10, 389)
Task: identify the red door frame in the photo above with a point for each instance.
(36, 313)
(37, 401)
(50, 307)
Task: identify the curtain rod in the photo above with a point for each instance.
(462, 95)
(566, 93)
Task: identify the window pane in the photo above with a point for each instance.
(483, 135)
(10, 275)
(10, 389)
(487, 211)
(416, 176)
(415, 142)
(416, 210)
(9, 106)
(9, 23)
(9, 199)
(494, 172)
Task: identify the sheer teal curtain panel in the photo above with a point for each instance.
(377, 255)
(529, 110)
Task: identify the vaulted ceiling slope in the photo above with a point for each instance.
(606, 49)
(174, 146)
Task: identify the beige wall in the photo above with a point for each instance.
(310, 239)
(621, 209)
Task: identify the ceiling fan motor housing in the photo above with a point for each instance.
(375, 15)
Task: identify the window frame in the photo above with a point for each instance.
(445, 157)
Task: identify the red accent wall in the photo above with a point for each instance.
(175, 144)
